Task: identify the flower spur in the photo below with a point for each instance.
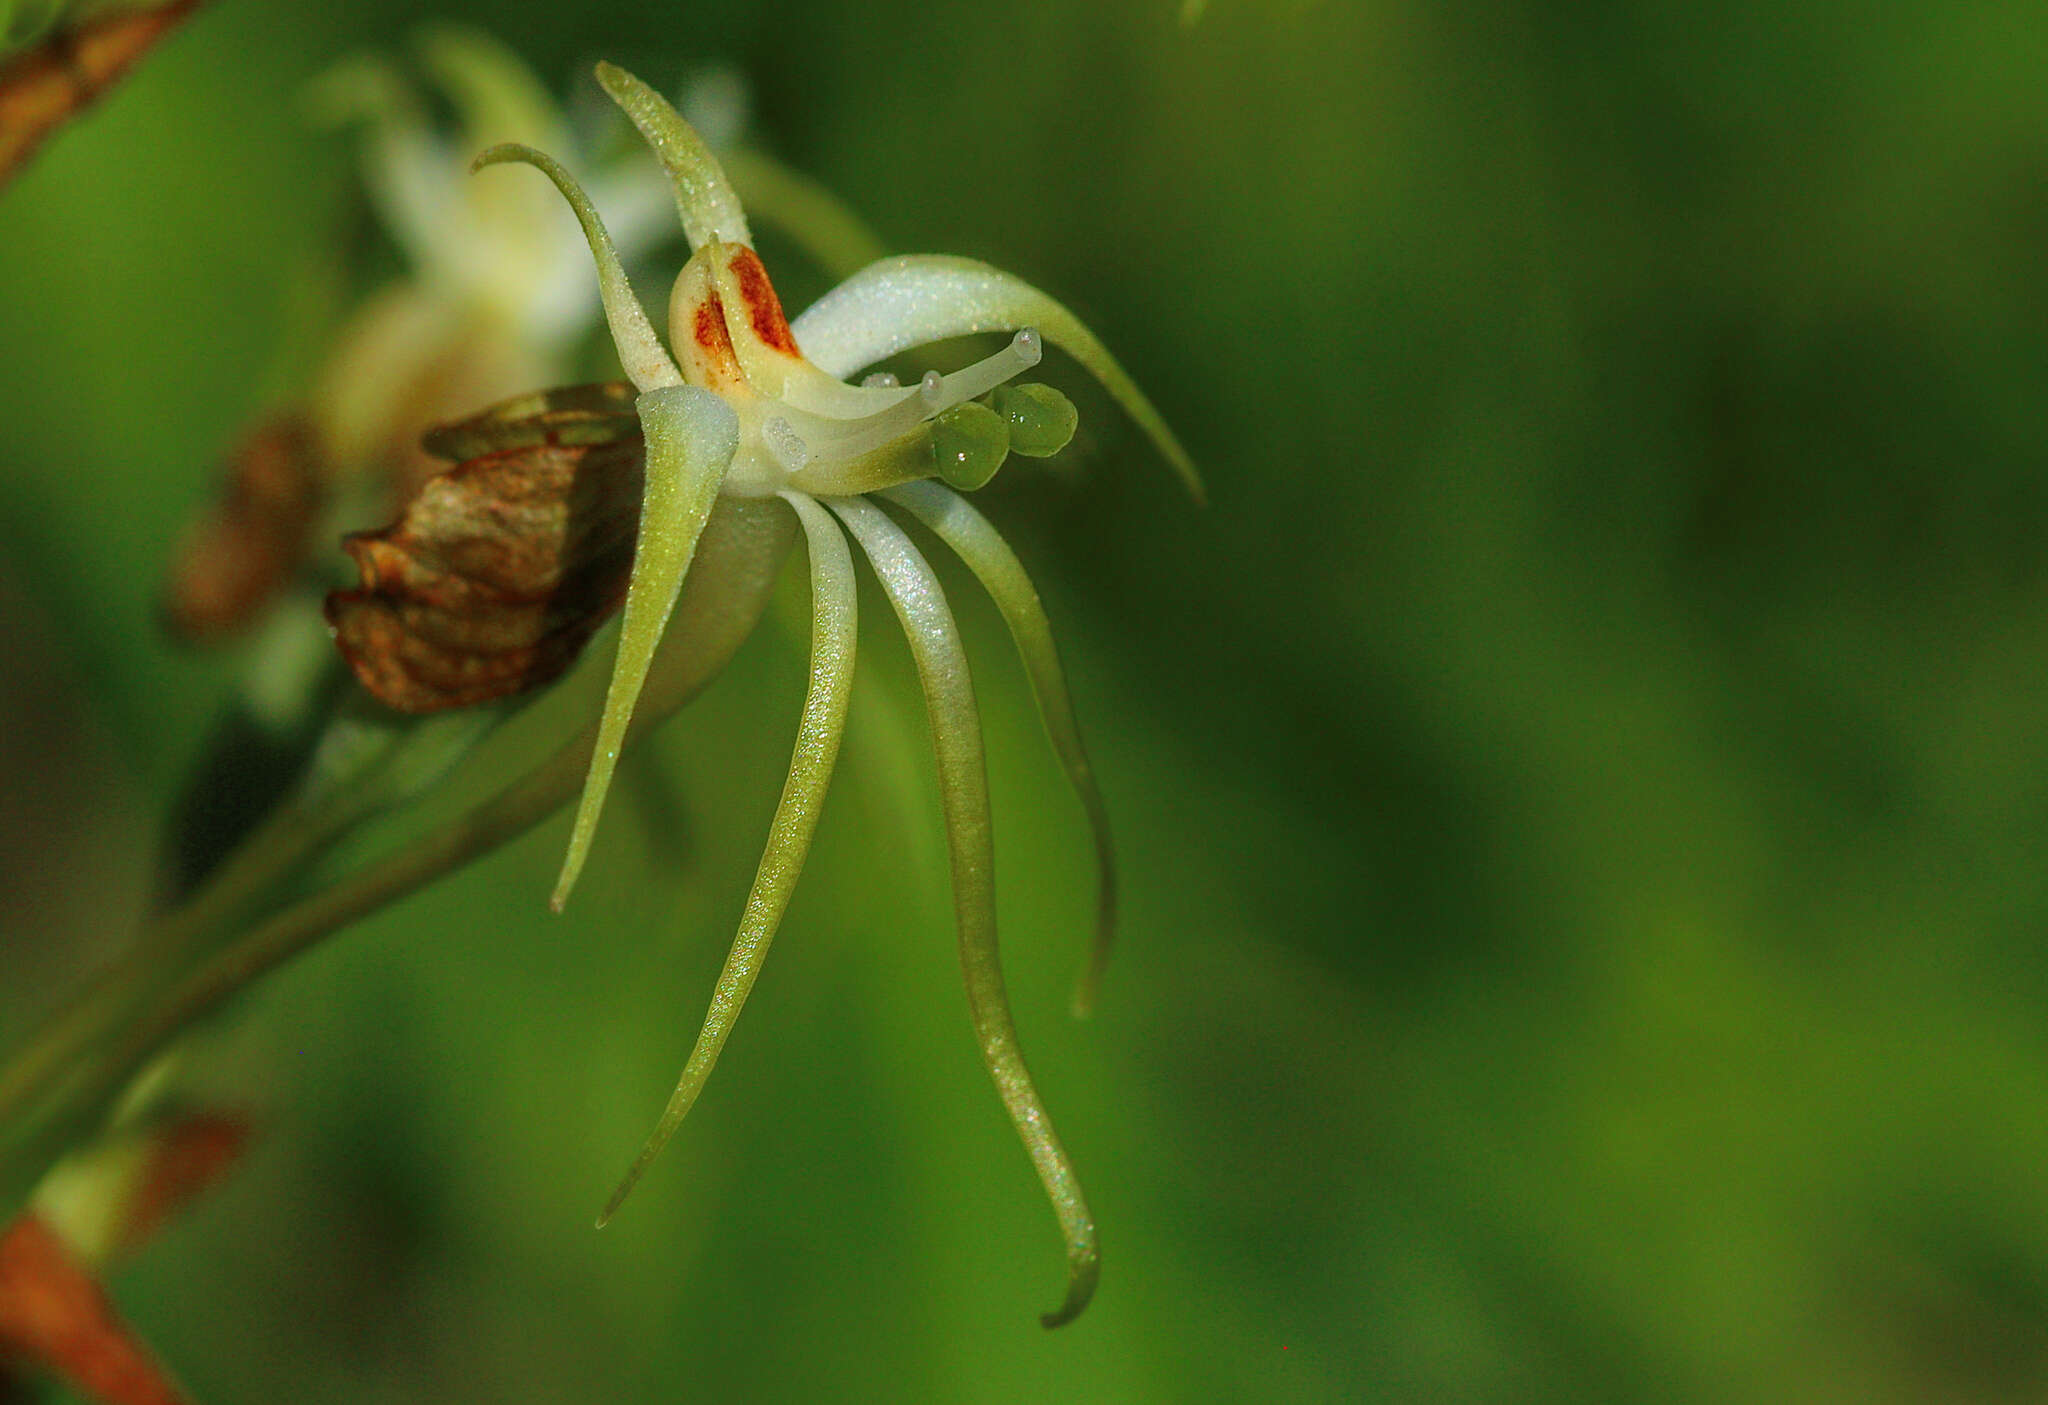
(754, 409)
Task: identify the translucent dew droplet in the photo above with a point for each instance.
(880, 380)
(969, 443)
(1040, 419)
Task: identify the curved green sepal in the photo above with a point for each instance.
(833, 617)
(1002, 575)
(646, 362)
(920, 605)
(691, 438)
(704, 197)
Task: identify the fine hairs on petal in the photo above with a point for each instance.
(921, 607)
(691, 438)
(976, 542)
(796, 819)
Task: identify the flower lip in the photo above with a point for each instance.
(891, 415)
(800, 426)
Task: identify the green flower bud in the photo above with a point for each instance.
(969, 443)
(1041, 419)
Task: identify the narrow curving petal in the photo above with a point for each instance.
(691, 438)
(920, 605)
(704, 197)
(646, 362)
(903, 302)
(955, 522)
(833, 603)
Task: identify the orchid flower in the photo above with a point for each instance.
(744, 409)
(495, 299)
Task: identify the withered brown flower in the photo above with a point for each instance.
(490, 302)
(502, 566)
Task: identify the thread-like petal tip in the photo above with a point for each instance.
(1084, 1271)
(497, 155)
(1080, 1292)
(619, 1194)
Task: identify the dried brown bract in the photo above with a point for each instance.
(55, 1317)
(502, 567)
(43, 87)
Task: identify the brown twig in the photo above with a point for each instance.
(47, 85)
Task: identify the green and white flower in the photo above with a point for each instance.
(749, 418)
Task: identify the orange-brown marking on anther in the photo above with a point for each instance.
(711, 329)
(708, 327)
(764, 309)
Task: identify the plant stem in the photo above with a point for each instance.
(56, 1089)
(110, 1034)
(361, 770)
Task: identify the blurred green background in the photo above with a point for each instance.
(1582, 780)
